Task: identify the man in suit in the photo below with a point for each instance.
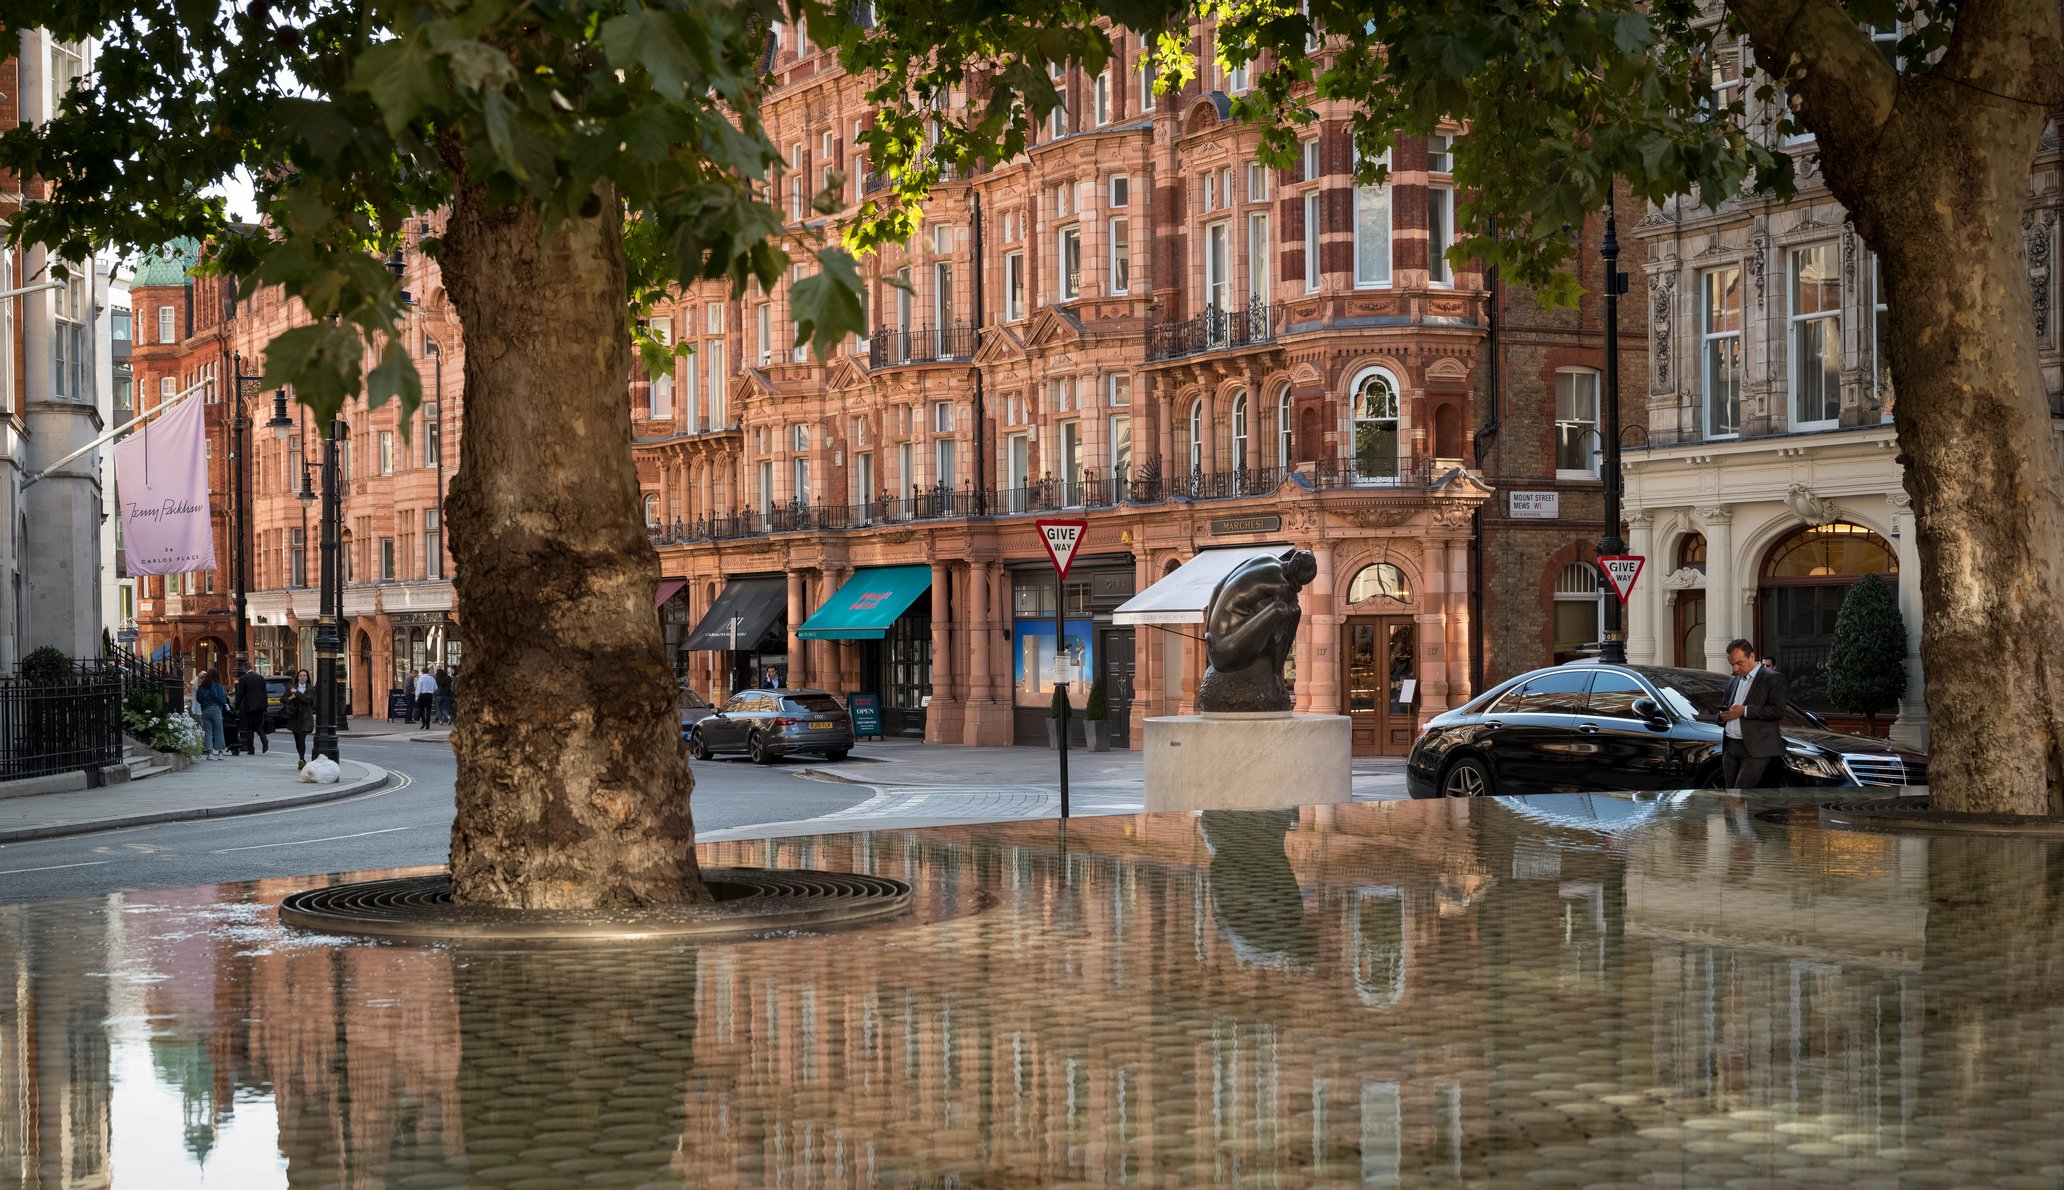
(250, 706)
(1756, 698)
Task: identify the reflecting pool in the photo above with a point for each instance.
(1555, 991)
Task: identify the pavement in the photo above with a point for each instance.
(913, 784)
(209, 789)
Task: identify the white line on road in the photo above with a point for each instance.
(299, 842)
(54, 867)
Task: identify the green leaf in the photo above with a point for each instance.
(826, 304)
(401, 77)
(395, 377)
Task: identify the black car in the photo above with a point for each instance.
(765, 724)
(1588, 726)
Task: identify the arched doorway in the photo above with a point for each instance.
(211, 653)
(1799, 592)
(1690, 619)
(1379, 659)
(360, 680)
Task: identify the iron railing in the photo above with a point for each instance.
(889, 347)
(1400, 471)
(1215, 329)
(60, 723)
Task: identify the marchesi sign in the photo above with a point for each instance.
(1223, 525)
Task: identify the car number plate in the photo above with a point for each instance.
(822, 725)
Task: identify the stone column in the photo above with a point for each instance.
(941, 726)
(1460, 683)
(827, 656)
(1722, 598)
(798, 611)
(1324, 658)
(988, 719)
(1642, 631)
(1911, 728)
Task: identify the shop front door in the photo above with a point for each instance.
(1380, 658)
(1114, 658)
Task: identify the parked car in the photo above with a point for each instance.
(1586, 726)
(765, 724)
(694, 709)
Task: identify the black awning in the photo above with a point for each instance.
(741, 615)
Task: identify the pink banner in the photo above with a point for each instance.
(161, 486)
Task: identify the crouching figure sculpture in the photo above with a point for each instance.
(1250, 626)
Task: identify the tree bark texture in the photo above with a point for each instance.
(573, 781)
(1933, 165)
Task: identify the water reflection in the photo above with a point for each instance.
(1431, 993)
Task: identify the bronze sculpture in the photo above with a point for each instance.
(1250, 626)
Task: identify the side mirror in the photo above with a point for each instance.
(1650, 711)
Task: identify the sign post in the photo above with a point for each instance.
(1621, 570)
(1061, 538)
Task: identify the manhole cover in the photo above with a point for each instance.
(749, 901)
(1916, 814)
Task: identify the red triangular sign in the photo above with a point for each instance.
(1621, 570)
(1061, 538)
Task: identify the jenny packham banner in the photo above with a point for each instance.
(161, 482)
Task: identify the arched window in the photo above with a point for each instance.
(1691, 551)
(1283, 418)
(1240, 431)
(652, 511)
(1579, 611)
(1801, 585)
(1197, 436)
(1375, 414)
(1382, 579)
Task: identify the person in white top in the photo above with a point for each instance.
(426, 696)
(1756, 698)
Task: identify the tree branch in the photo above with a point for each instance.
(1844, 87)
(2011, 48)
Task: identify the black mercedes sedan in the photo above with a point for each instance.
(1589, 727)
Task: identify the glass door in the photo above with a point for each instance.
(1380, 663)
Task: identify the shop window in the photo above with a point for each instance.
(1384, 579)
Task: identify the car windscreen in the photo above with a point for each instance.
(1696, 694)
(816, 704)
(691, 701)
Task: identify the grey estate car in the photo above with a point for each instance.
(765, 724)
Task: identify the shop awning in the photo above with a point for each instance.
(870, 601)
(1179, 598)
(668, 588)
(740, 616)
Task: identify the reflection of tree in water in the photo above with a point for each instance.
(1255, 898)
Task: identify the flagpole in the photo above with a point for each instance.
(134, 423)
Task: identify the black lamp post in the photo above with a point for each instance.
(1613, 648)
(240, 503)
(329, 631)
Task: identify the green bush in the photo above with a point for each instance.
(1866, 666)
(1097, 707)
(1060, 702)
(46, 665)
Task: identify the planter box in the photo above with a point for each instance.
(1099, 735)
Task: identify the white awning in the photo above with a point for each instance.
(1179, 598)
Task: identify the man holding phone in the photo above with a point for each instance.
(1756, 698)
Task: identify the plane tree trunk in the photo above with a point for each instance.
(573, 782)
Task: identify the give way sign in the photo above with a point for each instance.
(1061, 538)
(1621, 570)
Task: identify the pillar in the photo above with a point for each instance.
(986, 715)
(1642, 629)
(941, 726)
(1325, 653)
(1911, 728)
(1460, 687)
(798, 611)
(1722, 598)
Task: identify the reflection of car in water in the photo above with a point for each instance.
(1586, 726)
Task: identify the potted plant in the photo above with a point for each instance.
(1057, 717)
(1096, 715)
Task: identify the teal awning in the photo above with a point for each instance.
(869, 602)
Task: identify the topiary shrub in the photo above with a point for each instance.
(1096, 708)
(1060, 703)
(1866, 666)
(46, 666)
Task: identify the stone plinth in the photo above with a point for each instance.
(1245, 761)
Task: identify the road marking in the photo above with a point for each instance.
(299, 842)
(54, 867)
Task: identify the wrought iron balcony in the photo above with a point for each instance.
(889, 347)
(1215, 329)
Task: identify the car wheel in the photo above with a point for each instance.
(1469, 777)
(756, 747)
(836, 754)
(697, 750)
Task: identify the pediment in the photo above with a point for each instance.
(845, 374)
(753, 383)
(1052, 325)
(1000, 345)
(1307, 375)
(1448, 369)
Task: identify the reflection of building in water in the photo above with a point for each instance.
(55, 1085)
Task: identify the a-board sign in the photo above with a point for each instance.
(866, 712)
(1061, 538)
(1621, 570)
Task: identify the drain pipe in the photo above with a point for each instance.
(1481, 441)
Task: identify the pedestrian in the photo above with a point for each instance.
(426, 696)
(445, 707)
(1756, 698)
(250, 707)
(209, 702)
(299, 709)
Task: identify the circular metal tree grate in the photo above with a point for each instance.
(748, 901)
(1916, 814)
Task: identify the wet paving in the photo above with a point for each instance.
(1580, 991)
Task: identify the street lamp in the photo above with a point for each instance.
(329, 632)
(1613, 648)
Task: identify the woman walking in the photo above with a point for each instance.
(212, 701)
(299, 706)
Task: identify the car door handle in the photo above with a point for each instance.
(1588, 728)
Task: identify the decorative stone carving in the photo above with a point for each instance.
(1381, 516)
(1759, 248)
(2036, 229)
(1898, 499)
(1250, 626)
(1849, 255)
(1302, 519)
(1451, 516)
(1659, 332)
(1814, 510)
(1685, 578)
(1718, 515)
